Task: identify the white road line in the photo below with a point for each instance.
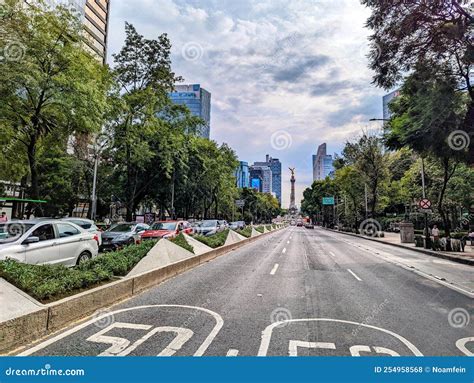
(287, 242)
(274, 270)
(332, 254)
(284, 250)
(232, 352)
(354, 275)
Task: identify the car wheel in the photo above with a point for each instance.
(83, 257)
(131, 241)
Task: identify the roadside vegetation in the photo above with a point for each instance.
(181, 241)
(52, 282)
(215, 240)
(259, 229)
(247, 232)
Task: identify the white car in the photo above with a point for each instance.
(87, 224)
(43, 242)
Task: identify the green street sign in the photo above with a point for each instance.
(328, 200)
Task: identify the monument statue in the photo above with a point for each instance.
(292, 208)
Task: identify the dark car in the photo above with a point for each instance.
(309, 225)
(121, 234)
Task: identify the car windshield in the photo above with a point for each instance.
(164, 226)
(209, 224)
(122, 228)
(11, 231)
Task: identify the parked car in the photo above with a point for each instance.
(237, 225)
(40, 242)
(167, 229)
(309, 225)
(209, 227)
(87, 224)
(223, 224)
(121, 234)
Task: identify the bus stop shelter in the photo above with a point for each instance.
(17, 206)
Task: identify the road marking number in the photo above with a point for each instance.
(121, 346)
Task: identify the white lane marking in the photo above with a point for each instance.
(357, 349)
(274, 270)
(461, 344)
(332, 254)
(200, 351)
(287, 242)
(354, 275)
(267, 333)
(284, 250)
(294, 344)
(232, 352)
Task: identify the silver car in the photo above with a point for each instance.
(87, 224)
(47, 242)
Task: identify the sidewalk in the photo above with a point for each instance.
(394, 239)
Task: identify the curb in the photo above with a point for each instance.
(17, 332)
(469, 262)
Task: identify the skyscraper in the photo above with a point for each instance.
(198, 101)
(261, 178)
(322, 164)
(94, 14)
(275, 166)
(242, 175)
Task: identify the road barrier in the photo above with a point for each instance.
(17, 332)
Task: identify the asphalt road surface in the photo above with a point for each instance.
(294, 292)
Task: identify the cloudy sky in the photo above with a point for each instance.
(285, 76)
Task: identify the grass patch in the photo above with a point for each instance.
(247, 232)
(52, 282)
(259, 229)
(269, 227)
(215, 240)
(181, 241)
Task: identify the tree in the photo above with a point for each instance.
(144, 76)
(368, 158)
(312, 203)
(407, 33)
(49, 85)
(351, 187)
(413, 125)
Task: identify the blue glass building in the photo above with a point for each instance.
(242, 175)
(275, 166)
(198, 101)
(322, 164)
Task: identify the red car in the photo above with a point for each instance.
(167, 229)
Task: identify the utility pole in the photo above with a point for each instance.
(427, 231)
(94, 187)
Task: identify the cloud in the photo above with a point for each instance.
(270, 65)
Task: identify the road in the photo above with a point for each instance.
(294, 292)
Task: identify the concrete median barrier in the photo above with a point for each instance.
(198, 247)
(233, 237)
(17, 332)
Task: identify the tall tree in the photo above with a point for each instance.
(409, 32)
(49, 85)
(426, 90)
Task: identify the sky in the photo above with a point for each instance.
(285, 76)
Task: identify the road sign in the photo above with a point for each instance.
(239, 202)
(425, 203)
(328, 200)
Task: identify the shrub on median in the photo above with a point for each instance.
(247, 232)
(181, 241)
(259, 229)
(51, 282)
(215, 240)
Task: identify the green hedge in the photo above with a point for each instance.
(259, 229)
(181, 241)
(247, 232)
(52, 282)
(215, 240)
(269, 227)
